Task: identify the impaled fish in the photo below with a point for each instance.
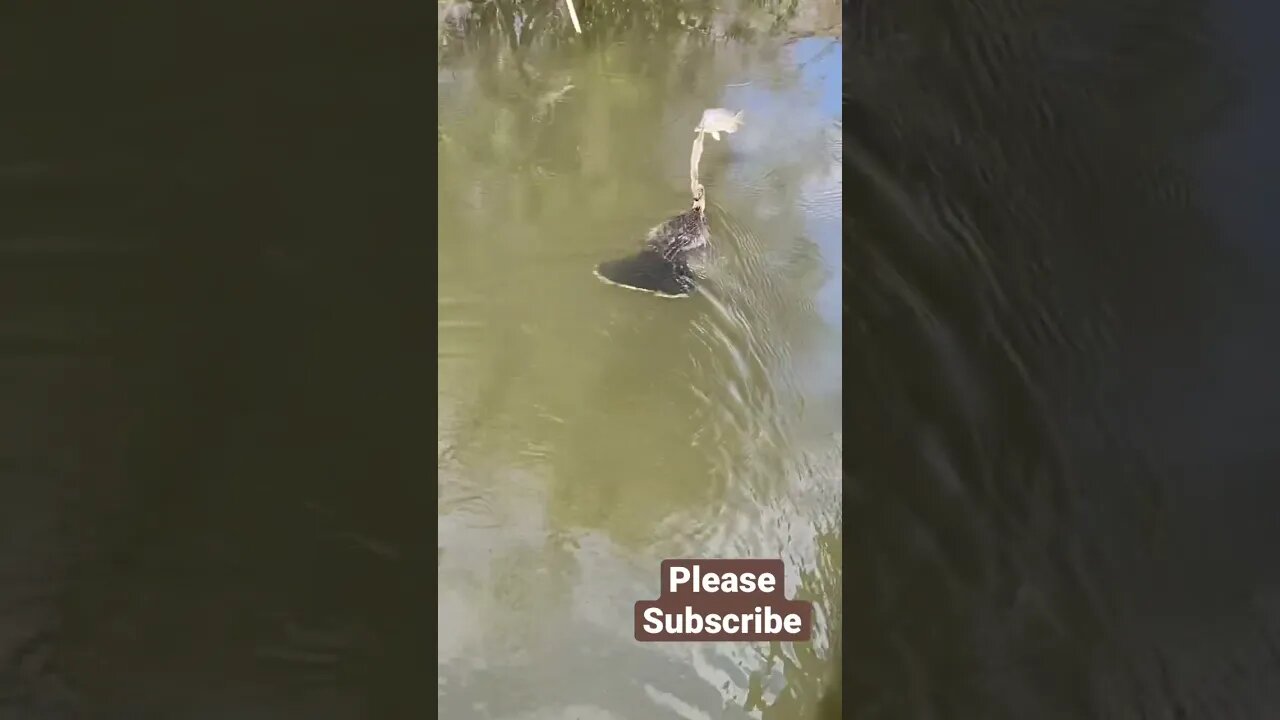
(718, 120)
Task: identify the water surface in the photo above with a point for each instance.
(586, 431)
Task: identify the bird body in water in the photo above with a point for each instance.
(683, 233)
(662, 266)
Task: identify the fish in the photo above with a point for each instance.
(717, 120)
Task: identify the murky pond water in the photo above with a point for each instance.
(587, 432)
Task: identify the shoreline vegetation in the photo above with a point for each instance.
(523, 21)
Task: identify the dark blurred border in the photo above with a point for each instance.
(211, 214)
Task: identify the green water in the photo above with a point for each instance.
(587, 432)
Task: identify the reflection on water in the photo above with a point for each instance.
(587, 432)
